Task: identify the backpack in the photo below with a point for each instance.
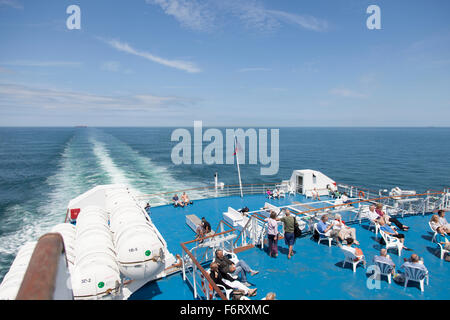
(297, 231)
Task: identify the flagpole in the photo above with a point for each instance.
(239, 170)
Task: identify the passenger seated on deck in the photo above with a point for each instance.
(344, 231)
(176, 201)
(224, 279)
(434, 222)
(415, 261)
(389, 219)
(200, 232)
(372, 214)
(443, 221)
(185, 199)
(206, 227)
(331, 192)
(276, 193)
(356, 251)
(315, 194)
(384, 258)
(327, 228)
(390, 231)
(227, 266)
(269, 194)
(443, 240)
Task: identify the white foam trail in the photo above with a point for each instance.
(117, 176)
(40, 215)
(147, 177)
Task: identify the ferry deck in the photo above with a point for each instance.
(316, 270)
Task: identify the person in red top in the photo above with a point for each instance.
(344, 231)
(389, 219)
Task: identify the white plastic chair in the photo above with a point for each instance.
(324, 238)
(385, 270)
(373, 224)
(291, 191)
(212, 292)
(226, 292)
(392, 242)
(417, 275)
(350, 257)
(443, 251)
(431, 227)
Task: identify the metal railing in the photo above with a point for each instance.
(199, 253)
(165, 198)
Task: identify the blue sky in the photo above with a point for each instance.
(227, 63)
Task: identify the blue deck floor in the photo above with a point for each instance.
(315, 272)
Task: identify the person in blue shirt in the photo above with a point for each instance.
(327, 229)
(390, 231)
(442, 239)
(177, 202)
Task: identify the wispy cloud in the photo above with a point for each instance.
(177, 64)
(304, 21)
(347, 93)
(17, 96)
(205, 15)
(11, 3)
(29, 63)
(253, 69)
(189, 13)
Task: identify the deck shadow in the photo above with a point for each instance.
(348, 266)
(428, 238)
(149, 291)
(434, 251)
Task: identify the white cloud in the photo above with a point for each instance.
(205, 15)
(177, 64)
(190, 14)
(17, 96)
(347, 93)
(304, 21)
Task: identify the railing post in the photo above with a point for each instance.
(184, 266)
(194, 269)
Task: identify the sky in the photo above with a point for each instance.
(228, 63)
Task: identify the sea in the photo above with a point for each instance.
(42, 169)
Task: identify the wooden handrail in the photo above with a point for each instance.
(214, 235)
(39, 282)
(204, 273)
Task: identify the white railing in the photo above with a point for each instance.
(206, 193)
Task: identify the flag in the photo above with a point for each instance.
(237, 147)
